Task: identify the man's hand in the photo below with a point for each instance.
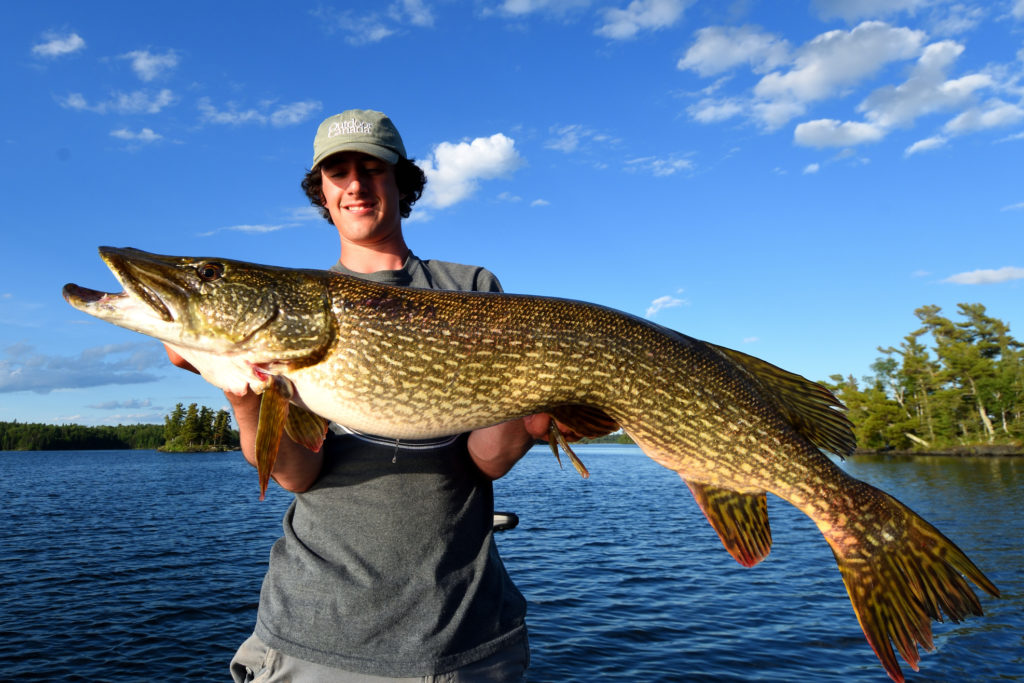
(496, 449)
(538, 427)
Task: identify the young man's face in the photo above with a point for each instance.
(362, 197)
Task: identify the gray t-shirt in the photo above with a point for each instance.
(388, 564)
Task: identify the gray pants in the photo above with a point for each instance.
(255, 662)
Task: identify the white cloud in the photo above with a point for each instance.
(149, 66)
(130, 363)
(710, 110)
(145, 135)
(567, 138)
(1018, 9)
(366, 26)
(659, 167)
(993, 114)
(574, 137)
(138, 102)
(811, 168)
(58, 46)
(540, 202)
(773, 114)
(987, 277)
(284, 115)
(305, 213)
(925, 145)
(663, 302)
(210, 114)
(639, 15)
(131, 404)
(295, 113)
(255, 229)
(926, 90)
(522, 7)
(1013, 207)
(720, 48)
(454, 170)
(958, 19)
(416, 12)
(852, 10)
(838, 59)
(832, 133)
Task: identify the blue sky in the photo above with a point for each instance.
(788, 179)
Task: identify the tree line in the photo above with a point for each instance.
(198, 428)
(965, 387)
(184, 429)
(34, 436)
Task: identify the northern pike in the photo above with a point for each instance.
(412, 363)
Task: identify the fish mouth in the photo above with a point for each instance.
(134, 269)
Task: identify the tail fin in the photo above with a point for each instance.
(899, 587)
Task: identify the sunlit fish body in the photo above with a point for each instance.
(411, 363)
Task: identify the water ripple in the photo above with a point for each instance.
(117, 565)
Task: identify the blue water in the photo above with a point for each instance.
(125, 566)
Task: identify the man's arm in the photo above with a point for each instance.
(497, 448)
(296, 467)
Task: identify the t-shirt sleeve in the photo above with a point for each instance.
(486, 281)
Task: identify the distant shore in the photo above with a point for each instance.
(975, 451)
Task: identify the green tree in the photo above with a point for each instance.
(221, 424)
(190, 429)
(173, 423)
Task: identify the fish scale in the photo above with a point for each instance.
(407, 363)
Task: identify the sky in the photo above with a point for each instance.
(788, 179)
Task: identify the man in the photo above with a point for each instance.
(387, 569)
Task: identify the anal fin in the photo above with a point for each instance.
(740, 519)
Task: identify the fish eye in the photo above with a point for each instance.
(210, 271)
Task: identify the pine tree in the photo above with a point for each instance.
(173, 423)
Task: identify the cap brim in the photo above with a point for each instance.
(378, 151)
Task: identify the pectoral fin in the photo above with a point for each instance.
(586, 421)
(273, 415)
(306, 428)
(740, 519)
(556, 439)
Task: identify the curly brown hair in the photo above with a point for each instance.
(409, 177)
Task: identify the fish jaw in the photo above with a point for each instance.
(214, 306)
(124, 310)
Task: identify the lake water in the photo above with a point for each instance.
(137, 565)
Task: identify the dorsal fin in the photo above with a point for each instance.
(740, 519)
(811, 408)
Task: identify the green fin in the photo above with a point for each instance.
(305, 428)
(586, 421)
(741, 520)
(898, 587)
(273, 415)
(811, 408)
(556, 439)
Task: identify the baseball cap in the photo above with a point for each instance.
(358, 130)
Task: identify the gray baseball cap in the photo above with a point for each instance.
(358, 130)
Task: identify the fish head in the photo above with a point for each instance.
(214, 305)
